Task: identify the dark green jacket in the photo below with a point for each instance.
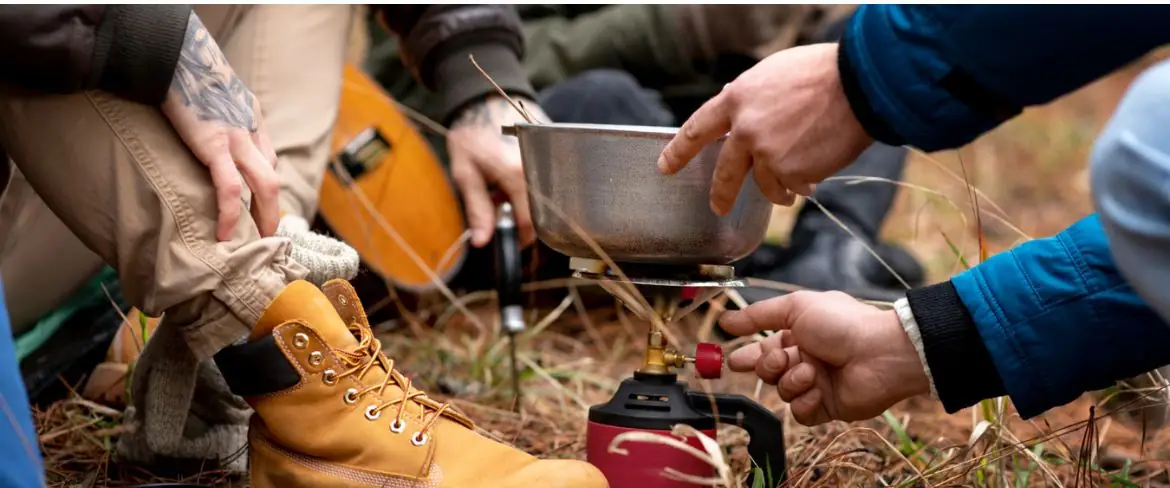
(565, 40)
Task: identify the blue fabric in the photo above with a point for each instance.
(21, 465)
(1130, 176)
(1028, 54)
(1058, 315)
(1059, 320)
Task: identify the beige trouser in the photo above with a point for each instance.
(103, 180)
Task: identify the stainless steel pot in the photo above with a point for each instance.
(604, 178)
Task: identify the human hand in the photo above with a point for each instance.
(786, 119)
(481, 155)
(834, 357)
(220, 121)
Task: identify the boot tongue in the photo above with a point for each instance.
(304, 302)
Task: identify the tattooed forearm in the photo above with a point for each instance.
(495, 112)
(206, 84)
(488, 112)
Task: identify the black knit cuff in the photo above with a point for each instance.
(459, 84)
(960, 365)
(869, 119)
(137, 50)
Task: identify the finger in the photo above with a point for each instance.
(228, 186)
(745, 358)
(260, 135)
(799, 378)
(808, 409)
(265, 184)
(476, 202)
(776, 363)
(767, 345)
(797, 187)
(735, 159)
(516, 187)
(264, 144)
(772, 314)
(787, 338)
(803, 189)
(771, 187)
(523, 215)
(710, 122)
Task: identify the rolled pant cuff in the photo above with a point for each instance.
(239, 301)
(210, 337)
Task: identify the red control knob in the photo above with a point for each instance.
(709, 361)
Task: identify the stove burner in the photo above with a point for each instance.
(701, 276)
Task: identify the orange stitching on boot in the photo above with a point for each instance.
(362, 359)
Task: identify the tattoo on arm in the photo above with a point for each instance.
(495, 112)
(206, 84)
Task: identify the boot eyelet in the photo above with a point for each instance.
(351, 396)
(371, 414)
(300, 340)
(397, 426)
(418, 439)
(329, 377)
(316, 358)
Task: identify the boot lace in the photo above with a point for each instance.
(362, 359)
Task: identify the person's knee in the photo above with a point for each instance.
(1130, 181)
(604, 96)
(612, 82)
(1132, 152)
(1144, 110)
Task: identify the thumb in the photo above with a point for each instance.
(510, 179)
(778, 313)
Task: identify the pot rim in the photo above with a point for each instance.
(641, 131)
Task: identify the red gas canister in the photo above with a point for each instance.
(648, 403)
(656, 403)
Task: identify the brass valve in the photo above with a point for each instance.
(662, 359)
(657, 354)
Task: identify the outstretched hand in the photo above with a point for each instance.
(786, 119)
(833, 357)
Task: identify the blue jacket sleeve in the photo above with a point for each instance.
(938, 76)
(1059, 320)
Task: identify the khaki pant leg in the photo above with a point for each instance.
(292, 57)
(270, 47)
(42, 263)
(120, 178)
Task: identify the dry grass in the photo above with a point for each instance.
(1032, 169)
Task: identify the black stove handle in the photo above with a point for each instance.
(509, 269)
(765, 429)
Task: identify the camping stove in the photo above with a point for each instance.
(657, 275)
(653, 400)
(595, 187)
(666, 287)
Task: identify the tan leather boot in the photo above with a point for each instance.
(331, 410)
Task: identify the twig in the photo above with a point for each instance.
(519, 108)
